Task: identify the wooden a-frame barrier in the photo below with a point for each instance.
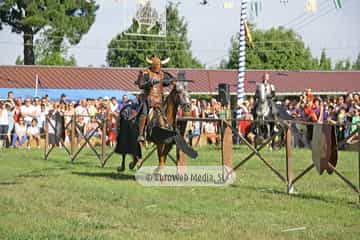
(227, 132)
(76, 134)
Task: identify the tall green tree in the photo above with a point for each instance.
(277, 48)
(343, 65)
(125, 50)
(46, 54)
(58, 19)
(325, 62)
(356, 65)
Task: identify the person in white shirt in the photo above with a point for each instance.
(210, 132)
(82, 111)
(114, 106)
(20, 133)
(11, 110)
(41, 118)
(4, 123)
(27, 111)
(37, 107)
(33, 132)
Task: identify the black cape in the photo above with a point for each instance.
(127, 133)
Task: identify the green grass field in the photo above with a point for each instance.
(56, 199)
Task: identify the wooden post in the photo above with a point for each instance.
(73, 136)
(46, 131)
(289, 175)
(226, 150)
(103, 141)
(227, 146)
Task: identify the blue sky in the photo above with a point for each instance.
(211, 27)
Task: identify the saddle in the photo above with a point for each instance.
(157, 129)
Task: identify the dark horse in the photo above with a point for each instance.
(164, 132)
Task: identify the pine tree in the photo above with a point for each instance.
(356, 65)
(325, 62)
(58, 20)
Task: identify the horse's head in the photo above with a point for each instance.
(181, 89)
(180, 96)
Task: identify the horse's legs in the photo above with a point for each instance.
(271, 134)
(160, 150)
(121, 168)
(163, 150)
(134, 162)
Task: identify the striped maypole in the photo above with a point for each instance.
(242, 52)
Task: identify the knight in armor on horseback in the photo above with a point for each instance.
(151, 81)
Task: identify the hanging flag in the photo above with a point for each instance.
(228, 5)
(311, 6)
(338, 4)
(248, 35)
(284, 2)
(255, 7)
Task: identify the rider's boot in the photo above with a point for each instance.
(142, 123)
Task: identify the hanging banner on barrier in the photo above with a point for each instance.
(324, 147)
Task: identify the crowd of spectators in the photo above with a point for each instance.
(343, 111)
(22, 121)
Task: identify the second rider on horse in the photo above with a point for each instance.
(264, 96)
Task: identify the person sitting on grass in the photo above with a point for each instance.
(33, 132)
(210, 133)
(92, 130)
(20, 133)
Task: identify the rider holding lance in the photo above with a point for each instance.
(151, 81)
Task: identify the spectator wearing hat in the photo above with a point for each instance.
(11, 97)
(63, 98)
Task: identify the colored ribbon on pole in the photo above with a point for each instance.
(228, 5)
(255, 7)
(338, 3)
(242, 58)
(311, 6)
